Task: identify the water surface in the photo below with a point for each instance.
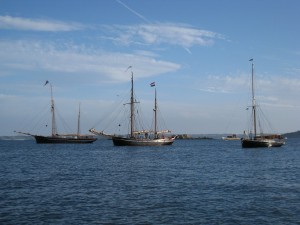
(190, 182)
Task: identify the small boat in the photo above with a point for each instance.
(232, 137)
(56, 138)
(139, 137)
(255, 139)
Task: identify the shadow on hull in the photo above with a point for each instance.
(120, 141)
(264, 143)
(64, 140)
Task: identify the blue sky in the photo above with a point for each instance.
(197, 52)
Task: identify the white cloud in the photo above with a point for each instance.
(19, 23)
(182, 35)
(241, 82)
(45, 56)
(164, 33)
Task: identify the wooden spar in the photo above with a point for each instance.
(54, 130)
(24, 133)
(131, 109)
(155, 116)
(253, 101)
(78, 122)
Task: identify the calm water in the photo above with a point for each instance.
(191, 182)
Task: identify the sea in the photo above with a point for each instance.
(204, 181)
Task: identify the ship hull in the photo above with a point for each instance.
(263, 143)
(63, 140)
(121, 141)
(231, 139)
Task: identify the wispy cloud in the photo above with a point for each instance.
(133, 11)
(278, 105)
(269, 90)
(223, 83)
(164, 33)
(181, 35)
(19, 23)
(51, 57)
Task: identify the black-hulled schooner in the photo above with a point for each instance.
(139, 137)
(255, 139)
(56, 138)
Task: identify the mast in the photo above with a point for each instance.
(132, 116)
(253, 100)
(54, 131)
(78, 122)
(155, 116)
(131, 108)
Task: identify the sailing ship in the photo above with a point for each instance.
(232, 137)
(256, 140)
(139, 137)
(56, 138)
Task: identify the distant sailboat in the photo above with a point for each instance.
(232, 137)
(256, 140)
(139, 137)
(56, 138)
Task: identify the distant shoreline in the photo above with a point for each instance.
(189, 137)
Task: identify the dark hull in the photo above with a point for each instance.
(263, 143)
(121, 141)
(64, 140)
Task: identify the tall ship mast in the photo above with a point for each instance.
(54, 130)
(56, 138)
(139, 137)
(255, 139)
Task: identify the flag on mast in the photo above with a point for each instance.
(152, 84)
(46, 82)
(129, 67)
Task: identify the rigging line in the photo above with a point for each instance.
(64, 124)
(110, 114)
(125, 120)
(260, 125)
(250, 122)
(105, 117)
(106, 121)
(40, 124)
(117, 118)
(270, 127)
(117, 103)
(139, 115)
(162, 122)
(153, 119)
(141, 120)
(265, 123)
(38, 115)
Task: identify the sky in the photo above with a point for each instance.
(196, 51)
